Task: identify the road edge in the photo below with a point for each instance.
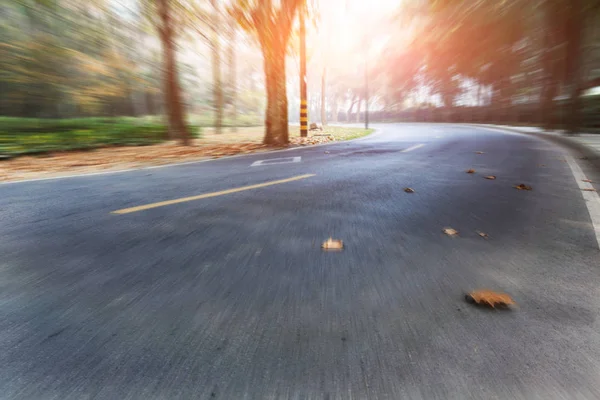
(376, 132)
(590, 197)
(590, 154)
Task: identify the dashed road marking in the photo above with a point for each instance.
(207, 195)
(592, 200)
(274, 161)
(411, 148)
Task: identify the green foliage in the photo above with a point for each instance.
(346, 133)
(73, 58)
(243, 120)
(19, 136)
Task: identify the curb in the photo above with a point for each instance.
(590, 154)
(376, 132)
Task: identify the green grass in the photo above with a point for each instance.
(20, 136)
(347, 133)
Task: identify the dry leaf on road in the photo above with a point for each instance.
(490, 177)
(450, 231)
(587, 180)
(589, 190)
(479, 152)
(409, 190)
(522, 186)
(483, 234)
(489, 298)
(470, 171)
(332, 244)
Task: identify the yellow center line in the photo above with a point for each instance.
(207, 195)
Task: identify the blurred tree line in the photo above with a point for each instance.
(513, 61)
(76, 58)
(112, 58)
(235, 62)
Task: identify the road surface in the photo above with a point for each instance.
(226, 294)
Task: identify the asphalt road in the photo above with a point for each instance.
(231, 297)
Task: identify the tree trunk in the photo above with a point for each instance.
(175, 112)
(276, 119)
(232, 74)
(550, 66)
(216, 69)
(323, 97)
(349, 112)
(548, 107)
(334, 109)
(574, 58)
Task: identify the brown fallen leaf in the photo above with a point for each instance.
(587, 180)
(490, 177)
(489, 298)
(483, 234)
(589, 190)
(409, 190)
(450, 231)
(470, 171)
(332, 244)
(542, 165)
(326, 152)
(479, 152)
(522, 186)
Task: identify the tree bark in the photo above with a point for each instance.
(334, 108)
(232, 74)
(276, 119)
(216, 69)
(548, 107)
(323, 97)
(349, 112)
(574, 58)
(175, 113)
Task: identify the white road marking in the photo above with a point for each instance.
(274, 161)
(411, 148)
(592, 200)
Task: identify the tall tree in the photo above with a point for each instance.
(216, 66)
(323, 96)
(271, 21)
(232, 82)
(175, 112)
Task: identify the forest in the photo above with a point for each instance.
(78, 74)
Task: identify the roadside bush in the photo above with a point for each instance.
(20, 136)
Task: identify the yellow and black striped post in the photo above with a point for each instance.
(303, 96)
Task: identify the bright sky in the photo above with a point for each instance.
(352, 26)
